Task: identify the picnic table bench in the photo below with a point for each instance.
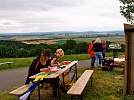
(8, 63)
(79, 85)
(21, 90)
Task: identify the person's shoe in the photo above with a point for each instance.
(91, 67)
(54, 94)
(100, 66)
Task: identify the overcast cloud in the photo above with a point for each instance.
(60, 15)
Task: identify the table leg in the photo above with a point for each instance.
(91, 80)
(9, 65)
(39, 91)
(58, 87)
(76, 71)
(63, 79)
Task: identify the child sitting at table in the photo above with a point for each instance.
(54, 57)
(54, 62)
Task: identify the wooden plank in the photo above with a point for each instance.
(21, 90)
(80, 84)
(2, 63)
(9, 64)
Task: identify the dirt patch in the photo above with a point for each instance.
(42, 41)
(27, 38)
(36, 40)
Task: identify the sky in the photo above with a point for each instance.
(20, 16)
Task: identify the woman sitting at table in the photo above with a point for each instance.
(42, 64)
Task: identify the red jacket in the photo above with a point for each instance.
(90, 51)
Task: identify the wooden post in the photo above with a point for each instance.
(129, 60)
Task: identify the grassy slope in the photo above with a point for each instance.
(106, 86)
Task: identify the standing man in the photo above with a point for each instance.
(91, 53)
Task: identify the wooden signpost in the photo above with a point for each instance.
(129, 60)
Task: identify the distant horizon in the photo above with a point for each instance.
(57, 31)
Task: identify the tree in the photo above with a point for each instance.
(81, 47)
(3, 50)
(123, 47)
(68, 52)
(70, 44)
(127, 10)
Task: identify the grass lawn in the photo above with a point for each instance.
(107, 85)
(26, 62)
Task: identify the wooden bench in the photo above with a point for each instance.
(21, 90)
(8, 63)
(79, 85)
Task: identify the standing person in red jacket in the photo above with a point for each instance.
(91, 53)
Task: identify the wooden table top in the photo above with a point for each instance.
(56, 74)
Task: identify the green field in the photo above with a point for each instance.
(117, 39)
(111, 39)
(25, 62)
(61, 38)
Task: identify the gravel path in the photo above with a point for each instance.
(15, 77)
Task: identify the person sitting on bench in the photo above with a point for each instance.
(41, 64)
(55, 56)
(54, 62)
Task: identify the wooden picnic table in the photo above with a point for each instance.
(8, 63)
(56, 76)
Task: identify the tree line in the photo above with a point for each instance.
(16, 49)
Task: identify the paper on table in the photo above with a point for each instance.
(55, 68)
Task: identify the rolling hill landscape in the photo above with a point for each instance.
(61, 37)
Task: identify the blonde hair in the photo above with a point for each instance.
(103, 41)
(98, 40)
(60, 51)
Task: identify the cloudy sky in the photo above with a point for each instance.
(60, 15)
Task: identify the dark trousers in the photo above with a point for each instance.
(52, 82)
(92, 61)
